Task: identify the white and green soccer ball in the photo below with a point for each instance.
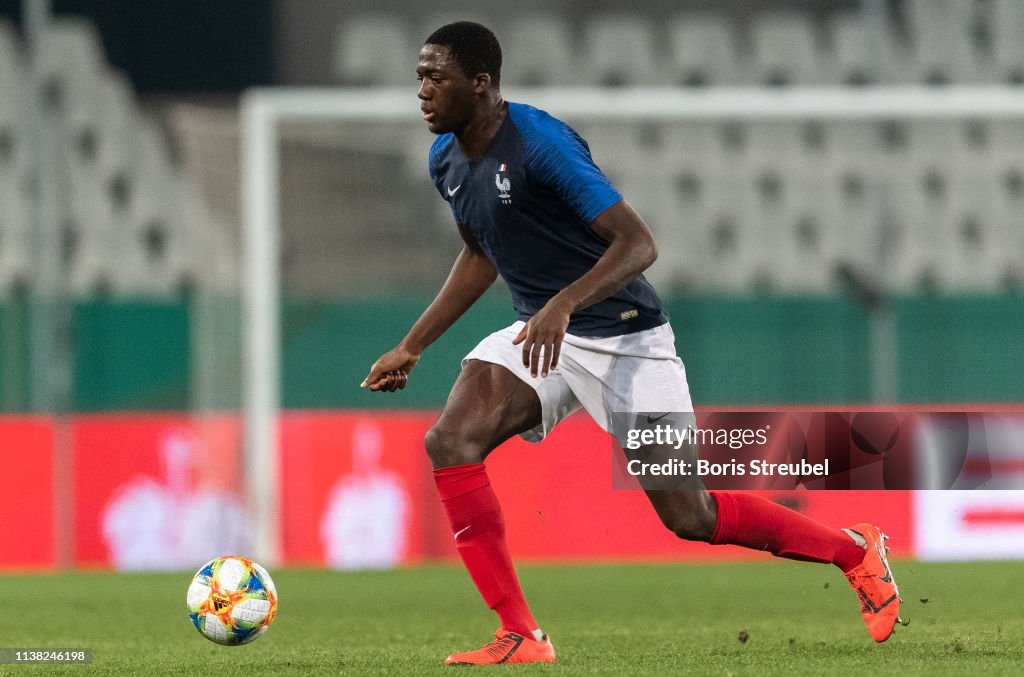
(232, 600)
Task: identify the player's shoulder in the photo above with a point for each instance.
(540, 128)
(439, 149)
(531, 116)
(551, 147)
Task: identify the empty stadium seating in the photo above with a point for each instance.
(933, 42)
(542, 43)
(736, 206)
(619, 49)
(110, 197)
(943, 41)
(784, 51)
(15, 230)
(703, 50)
(373, 49)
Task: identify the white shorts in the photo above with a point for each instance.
(637, 372)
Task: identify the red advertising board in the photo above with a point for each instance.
(156, 491)
(356, 489)
(558, 497)
(166, 491)
(26, 492)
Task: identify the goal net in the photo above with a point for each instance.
(747, 192)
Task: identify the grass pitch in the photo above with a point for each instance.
(965, 619)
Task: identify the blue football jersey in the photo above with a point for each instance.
(530, 201)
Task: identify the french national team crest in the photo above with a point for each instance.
(504, 185)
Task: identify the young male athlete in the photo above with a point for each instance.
(532, 206)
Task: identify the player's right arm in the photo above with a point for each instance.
(471, 275)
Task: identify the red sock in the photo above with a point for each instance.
(475, 518)
(755, 522)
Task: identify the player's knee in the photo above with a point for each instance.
(447, 447)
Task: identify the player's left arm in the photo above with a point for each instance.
(631, 250)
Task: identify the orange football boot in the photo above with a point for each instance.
(873, 582)
(507, 647)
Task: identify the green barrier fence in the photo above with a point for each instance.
(766, 350)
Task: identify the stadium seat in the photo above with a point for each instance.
(621, 49)
(801, 140)
(929, 144)
(784, 50)
(730, 253)
(213, 258)
(707, 146)
(752, 266)
(13, 109)
(781, 156)
(862, 51)
(537, 50)
(1005, 139)
(11, 62)
(114, 124)
(703, 50)
(783, 162)
(151, 153)
(15, 238)
(933, 184)
(851, 204)
(373, 49)
(1000, 201)
(155, 231)
(982, 254)
(440, 16)
(853, 176)
(943, 48)
(859, 141)
(1007, 26)
(702, 161)
(621, 149)
(808, 251)
(92, 252)
(157, 239)
(679, 214)
(71, 64)
(125, 214)
(917, 231)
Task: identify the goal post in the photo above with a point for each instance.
(265, 111)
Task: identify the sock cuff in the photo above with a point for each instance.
(458, 480)
(725, 527)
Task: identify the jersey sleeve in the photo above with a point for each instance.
(559, 158)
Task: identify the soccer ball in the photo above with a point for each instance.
(232, 600)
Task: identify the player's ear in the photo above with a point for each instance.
(482, 82)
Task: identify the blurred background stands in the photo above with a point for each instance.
(149, 204)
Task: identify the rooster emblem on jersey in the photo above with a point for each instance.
(504, 186)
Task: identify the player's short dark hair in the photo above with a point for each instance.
(473, 46)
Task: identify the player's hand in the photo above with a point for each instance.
(391, 371)
(542, 338)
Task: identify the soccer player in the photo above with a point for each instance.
(531, 205)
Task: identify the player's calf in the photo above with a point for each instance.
(691, 515)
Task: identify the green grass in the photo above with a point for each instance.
(612, 620)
